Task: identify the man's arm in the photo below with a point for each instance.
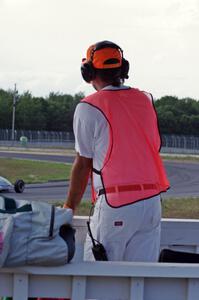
(81, 169)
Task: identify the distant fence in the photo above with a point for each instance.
(170, 143)
(180, 144)
(39, 138)
(180, 141)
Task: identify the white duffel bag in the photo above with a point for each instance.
(35, 233)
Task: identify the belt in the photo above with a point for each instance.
(127, 188)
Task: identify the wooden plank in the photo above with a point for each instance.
(179, 232)
(6, 284)
(137, 289)
(50, 286)
(108, 288)
(79, 288)
(20, 288)
(113, 269)
(193, 289)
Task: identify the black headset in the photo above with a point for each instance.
(89, 72)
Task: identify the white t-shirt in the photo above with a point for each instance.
(91, 132)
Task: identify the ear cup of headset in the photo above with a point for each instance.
(88, 72)
(124, 69)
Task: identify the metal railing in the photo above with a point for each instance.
(170, 143)
(39, 138)
(180, 144)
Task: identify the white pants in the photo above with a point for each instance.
(128, 233)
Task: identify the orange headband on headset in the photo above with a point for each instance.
(105, 58)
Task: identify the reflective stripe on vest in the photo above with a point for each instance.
(132, 169)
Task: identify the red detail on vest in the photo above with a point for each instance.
(132, 169)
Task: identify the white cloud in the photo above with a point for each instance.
(44, 41)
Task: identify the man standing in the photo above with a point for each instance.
(117, 141)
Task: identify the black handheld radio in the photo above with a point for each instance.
(98, 249)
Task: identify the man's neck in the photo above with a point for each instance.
(98, 84)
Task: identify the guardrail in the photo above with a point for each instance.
(103, 281)
(170, 142)
(112, 280)
(37, 136)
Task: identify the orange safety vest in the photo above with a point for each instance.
(132, 169)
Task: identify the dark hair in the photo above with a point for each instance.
(111, 76)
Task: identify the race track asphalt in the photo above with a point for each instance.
(183, 177)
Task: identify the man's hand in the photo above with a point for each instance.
(79, 178)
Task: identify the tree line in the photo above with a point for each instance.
(55, 112)
(178, 116)
(52, 113)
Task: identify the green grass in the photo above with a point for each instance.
(33, 171)
(84, 209)
(181, 158)
(177, 208)
(184, 208)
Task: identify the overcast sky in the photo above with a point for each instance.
(42, 43)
